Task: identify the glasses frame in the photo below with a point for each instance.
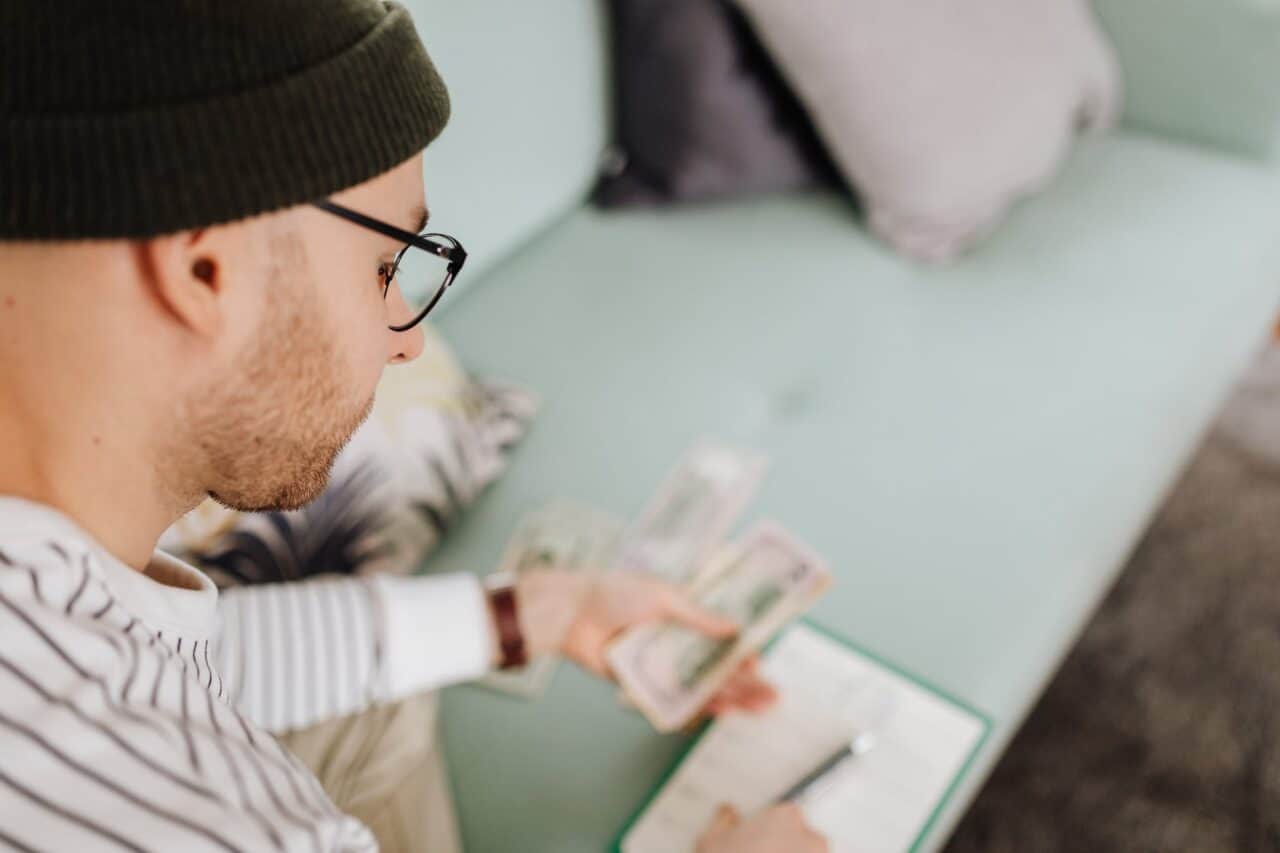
(430, 242)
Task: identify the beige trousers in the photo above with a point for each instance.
(384, 767)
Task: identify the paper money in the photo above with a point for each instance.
(671, 672)
(563, 535)
(692, 512)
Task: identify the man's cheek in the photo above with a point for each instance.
(363, 313)
(372, 361)
(358, 315)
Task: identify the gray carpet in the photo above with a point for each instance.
(1162, 730)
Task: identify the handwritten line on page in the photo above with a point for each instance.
(829, 694)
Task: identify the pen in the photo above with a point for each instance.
(860, 745)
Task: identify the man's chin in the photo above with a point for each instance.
(299, 487)
(294, 495)
(287, 493)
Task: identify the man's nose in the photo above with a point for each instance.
(405, 346)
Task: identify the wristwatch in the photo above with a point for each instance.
(500, 590)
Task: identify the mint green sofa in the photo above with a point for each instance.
(975, 447)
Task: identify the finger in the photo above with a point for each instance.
(762, 695)
(750, 699)
(726, 818)
(748, 672)
(680, 609)
(745, 690)
(741, 677)
(795, 825)
(750, 664)
(750, 689)
(791, 813)
(739, 682)
(736, 690)
(759, 700)
(727, 699)
(741, 705)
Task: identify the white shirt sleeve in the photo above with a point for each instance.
(294, 654)
(437, 631)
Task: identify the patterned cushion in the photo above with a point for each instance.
(436, 439)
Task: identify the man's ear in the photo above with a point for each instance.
(184, 276)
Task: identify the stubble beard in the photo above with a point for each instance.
(270, 433)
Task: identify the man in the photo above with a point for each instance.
(203, 210)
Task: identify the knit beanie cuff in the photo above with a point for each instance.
(168, 168)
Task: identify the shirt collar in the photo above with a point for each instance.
(171, 596)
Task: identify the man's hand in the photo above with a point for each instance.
(780, 827)
(578, 615)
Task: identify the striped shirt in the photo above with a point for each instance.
(136, 709)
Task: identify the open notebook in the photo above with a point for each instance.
(883, 800)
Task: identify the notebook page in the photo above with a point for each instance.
(879, 801)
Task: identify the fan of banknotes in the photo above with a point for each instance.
(762, 581)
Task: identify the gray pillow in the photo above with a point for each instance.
(699, 111)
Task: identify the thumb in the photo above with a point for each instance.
(681, 609)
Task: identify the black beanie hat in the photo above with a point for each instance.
(133, 118)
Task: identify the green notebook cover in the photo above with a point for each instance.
(616, 847)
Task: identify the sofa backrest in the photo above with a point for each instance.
(528, 82)
(1205, 71)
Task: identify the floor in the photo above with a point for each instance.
(1162, 730)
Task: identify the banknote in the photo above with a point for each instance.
(670, 672)
(692, 512)
(563, 535)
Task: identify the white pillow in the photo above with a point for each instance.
(942, 114)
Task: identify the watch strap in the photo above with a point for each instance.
(506, 618)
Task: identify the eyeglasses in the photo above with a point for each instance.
(423, 275)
